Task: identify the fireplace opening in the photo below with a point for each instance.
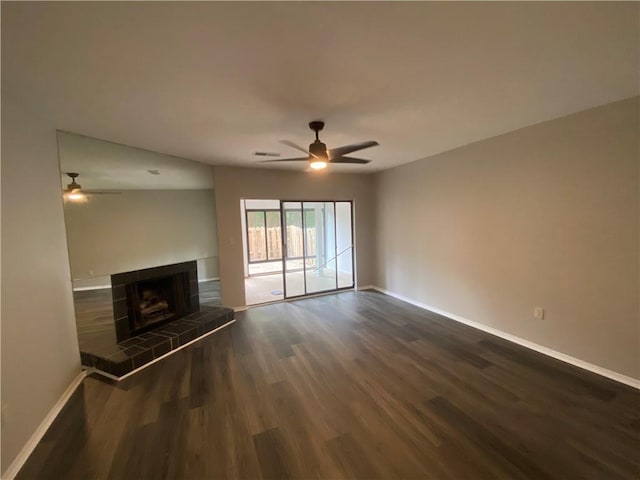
(148, 298)
(156, 301)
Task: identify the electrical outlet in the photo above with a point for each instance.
(538, 313)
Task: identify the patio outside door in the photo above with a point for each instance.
(317, 247)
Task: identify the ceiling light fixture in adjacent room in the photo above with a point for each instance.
(73, 191)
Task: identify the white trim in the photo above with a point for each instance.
(32, 443)
(94, 287)
(170, 352)
(367, 287)
(241, 309)
(100, 287)
(200, 280)
(262, 304)
(618, 377)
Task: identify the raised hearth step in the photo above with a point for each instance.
(122, 358)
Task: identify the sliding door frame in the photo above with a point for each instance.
(285, 247)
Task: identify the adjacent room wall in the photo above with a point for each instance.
(140, 229)
(40, 356)
(232, 184)
(543, 216)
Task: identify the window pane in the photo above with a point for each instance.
(274, 236)
(255, 219)
(294, 234)
(256, 236)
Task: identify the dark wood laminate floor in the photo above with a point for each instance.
(353, 385)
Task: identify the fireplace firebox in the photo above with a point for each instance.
(146, 299)
(157, 301)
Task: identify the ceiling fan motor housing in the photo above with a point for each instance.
(318, 149)
(73, 186)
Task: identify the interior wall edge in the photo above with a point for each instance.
(40, 353)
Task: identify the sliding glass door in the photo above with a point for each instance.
(293, 248)
(344, 245)
(317, 246)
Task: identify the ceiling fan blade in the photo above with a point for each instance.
(306, 159)
(101, 192)
(340, 151)
(293, 145)
(266, 154)
(349, 160)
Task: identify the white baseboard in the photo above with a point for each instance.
(31, 444)
(94, 287)
(101, 287)
(200, 280)
(240, 309)
(618, 377)
(367, 287)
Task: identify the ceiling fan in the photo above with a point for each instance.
(74, 191)
(318, 154)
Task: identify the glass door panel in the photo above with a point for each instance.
(344, 245)
(293, 249)
(320, 246)
(274, 235)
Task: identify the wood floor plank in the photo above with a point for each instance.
(352, 385)
(272, 455)
(351, 458)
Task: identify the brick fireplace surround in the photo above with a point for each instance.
(119, 354)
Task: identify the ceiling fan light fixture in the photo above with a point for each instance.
(75, 195)
(319, 156)
(74, 191)
(318, 164)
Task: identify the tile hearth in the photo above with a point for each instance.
(118, 359)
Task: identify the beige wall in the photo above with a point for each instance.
(543, 216)
(40, 356)
(232, 184)
(207, 270)
(140, 229)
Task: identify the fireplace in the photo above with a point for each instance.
(146, 299)
(157, 301)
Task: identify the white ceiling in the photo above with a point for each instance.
(217, 81)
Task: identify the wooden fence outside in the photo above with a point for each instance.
(295, 239)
